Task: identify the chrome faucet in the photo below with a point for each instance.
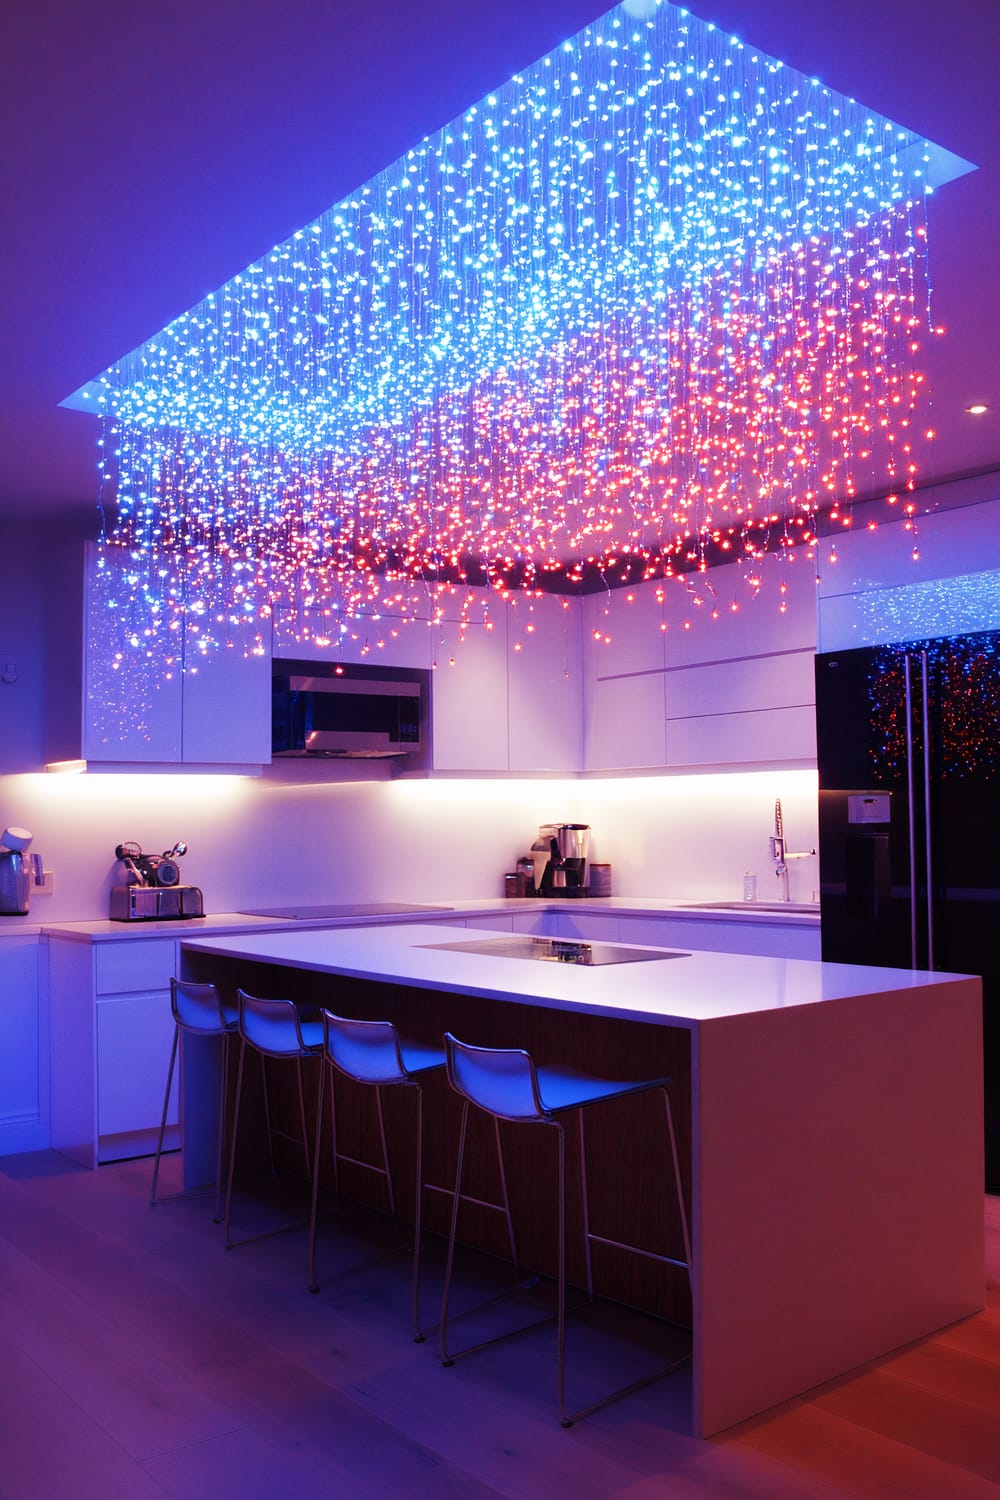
(781, 854)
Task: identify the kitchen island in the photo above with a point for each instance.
(831, 1121)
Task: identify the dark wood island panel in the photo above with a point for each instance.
(629, 1171)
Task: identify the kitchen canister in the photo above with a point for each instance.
(15, 871)
(599, 882)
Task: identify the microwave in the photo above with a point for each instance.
(354, 712)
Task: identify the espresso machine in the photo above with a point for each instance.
(559, 855)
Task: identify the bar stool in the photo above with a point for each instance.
(373, 1053)
(200, 1009)
(505, 1084)
(273, 1029)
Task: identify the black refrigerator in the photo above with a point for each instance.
(908, 739)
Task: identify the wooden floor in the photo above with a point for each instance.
(139, 1358)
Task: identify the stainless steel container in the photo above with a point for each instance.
(143, 903)
(15, 882)
(18, 871)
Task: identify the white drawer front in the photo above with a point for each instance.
(123, 968)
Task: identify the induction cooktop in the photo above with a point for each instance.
(559, 951)
(340, 909)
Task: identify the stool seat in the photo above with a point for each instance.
(276, 1028)
(201, 1010)
(505, 1083)
(373, 1053)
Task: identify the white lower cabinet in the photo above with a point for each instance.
(767, 939)
(595, 926)
(24, 1082)
(540, 923)
(497, 923)
(770, 939)
(111, 1037)
(134, 1035)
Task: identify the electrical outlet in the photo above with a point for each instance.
(47, 886)
(8, 670)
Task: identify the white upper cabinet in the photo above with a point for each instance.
(469, 697)
(626, 725)
(226, 701)
(623, 654)
(151, 698)
(544, 686)
(375, 640)
(742, 712)
(702, 674)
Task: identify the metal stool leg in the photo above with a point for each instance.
(317, 1161)
(302, 1115)
(586, 1207)
(267, 1113)
(505, 1195)
(675, 1158)
(163, 1117)
(235, 1137)
(565, 1419)
(450, 1260)
(223, 1107)
(385, 1153)
(418, 1336)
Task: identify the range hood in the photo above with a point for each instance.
(321, 712)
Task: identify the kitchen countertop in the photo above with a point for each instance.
(102, 930)
(671, 990)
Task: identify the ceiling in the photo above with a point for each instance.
(151, 152)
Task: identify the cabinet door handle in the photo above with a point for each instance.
(911, 809)
(928, 834)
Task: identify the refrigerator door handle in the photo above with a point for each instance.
(911, 808)
(928, 844)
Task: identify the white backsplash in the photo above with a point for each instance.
(254, 844)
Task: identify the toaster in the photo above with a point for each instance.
(144, 903)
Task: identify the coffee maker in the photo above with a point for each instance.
(559, 855)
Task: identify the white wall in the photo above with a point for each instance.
(256, 845)
(692, 837)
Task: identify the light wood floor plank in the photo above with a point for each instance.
(844, 1452)
(138, 1358)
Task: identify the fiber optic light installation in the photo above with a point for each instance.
(656, 302)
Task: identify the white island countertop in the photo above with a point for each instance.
(676, 987)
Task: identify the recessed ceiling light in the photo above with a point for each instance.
(976, 409)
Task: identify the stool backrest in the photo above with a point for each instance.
(366, 1050)
(501, 1080)
(198, 1007)
(272, 1026)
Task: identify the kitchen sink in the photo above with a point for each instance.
(794, 908)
